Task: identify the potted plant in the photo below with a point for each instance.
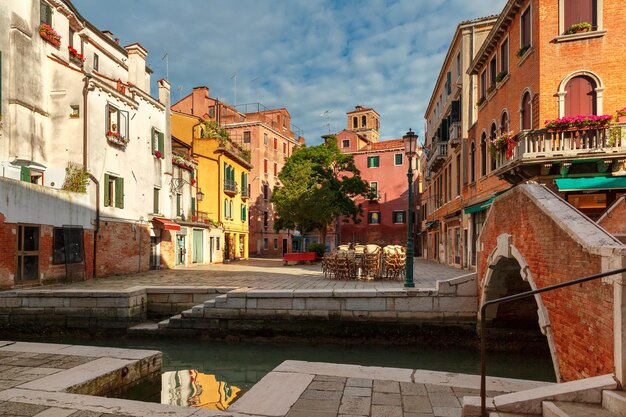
(505, 141)
(491, 88)
(158, 154)
(49, 35)
(480, 101)
(75, 56)
(578, 28)
(522, 51)
(621, 115)
(501, 75)
(74, 115)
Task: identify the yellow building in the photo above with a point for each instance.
(223, 178)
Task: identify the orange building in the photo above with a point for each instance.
(270, 137)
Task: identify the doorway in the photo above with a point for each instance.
(285, 246)
(197, 247)
(27, 254)
(211, 246)
(155, 261)
(181, 249)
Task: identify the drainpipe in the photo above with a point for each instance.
(86, 167)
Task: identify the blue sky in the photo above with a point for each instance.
(309, 56)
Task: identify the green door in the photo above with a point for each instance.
(197, 246)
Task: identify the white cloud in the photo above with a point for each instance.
(308, 56)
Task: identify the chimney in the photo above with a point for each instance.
(108, 33)
(358, 107)
(164, 92)
(137, 66)
(199, 96)
(164, 98)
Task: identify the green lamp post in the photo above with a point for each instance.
(410, 146)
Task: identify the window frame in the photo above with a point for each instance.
(483, 84)
(403, 216)
(597, 14)
(345, 143)
(156, 200)
(58, 236)
(265, 140)
(395, 159)
(530, 27)
(247, 136)
(374, 188)
(44, 5)
(96, 62)
(505, 55)
(113, 191)
(373, 158)
(370, 217)
(121, 114)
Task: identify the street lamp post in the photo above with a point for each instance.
(410, 145)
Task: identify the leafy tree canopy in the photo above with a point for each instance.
(319, 183)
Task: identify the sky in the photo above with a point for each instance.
(317, 58)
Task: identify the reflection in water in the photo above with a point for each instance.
(190, 388)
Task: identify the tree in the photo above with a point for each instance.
(319, 183)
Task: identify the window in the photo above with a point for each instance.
(70, 38)
(179, 205)
(244, 183)
(373, 217)
(355, 122)
(243, 212)
(116, 121)
(493, 72)
(398, 159)
(580, 97)
(226, 209)
(458, 175)
(265, 219)
(275, 144)
(580, 11)
(217, 243)
(449, 83)
(483, 85)
(363, 121)
(95, 62)
(275, 169)
(374, 189)
(483, 155)
(155, 200)
(458, 65)
(373, 161)
(265, 166)
(113, 191)
(265, 139)
(345, 143)
(266, 192)
(399, 217)
(472, 162)
(504, 57)
(31, 175)
(246, 136)
(211, 111)
(275, 243)
(285, 148)
(45, 15)
(265, 244)
(67, 245)
(525, 35)
(158, 141)
(504, 122)
(526, 112)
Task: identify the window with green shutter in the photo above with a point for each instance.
(373, 161)
(243, 212)
(161, 142)
(119, 193)
(193, 206)
(25, 174)
(397, 159)
(107, 193)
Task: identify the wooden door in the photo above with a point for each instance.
(27, 253)
(581, 97)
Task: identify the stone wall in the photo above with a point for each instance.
(554, 244)
(614, 219)
(123, 248)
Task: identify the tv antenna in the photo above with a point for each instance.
(235, 78)
(327, 115)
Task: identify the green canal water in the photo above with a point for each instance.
(214, 374)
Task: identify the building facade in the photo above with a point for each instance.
(75, 101)
(270, 138)
(445, 228)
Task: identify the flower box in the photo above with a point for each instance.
(116, 139)
(580, 122)
(74, 115)
(579, 28)
(49, 35)
(185, 162)
(522, 51)
(506, 141)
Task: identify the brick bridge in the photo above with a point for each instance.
(531, 238)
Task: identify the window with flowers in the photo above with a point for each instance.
(116, 122)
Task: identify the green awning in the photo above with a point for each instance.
(590, 183)
(431, 223)
(479, 207)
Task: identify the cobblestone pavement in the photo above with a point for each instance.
(264, 274)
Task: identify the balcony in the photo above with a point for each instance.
(455, 135)
(230, 187)
(438, 157)
(577, 151)
(245, 192)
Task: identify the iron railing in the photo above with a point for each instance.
(230, 186)
(483, 309)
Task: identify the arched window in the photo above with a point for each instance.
(363, 121)
(504, 122)
(526, 112)
(580, 97)
(483, 155)
(472, 162)
(355, 122)
(492, 136)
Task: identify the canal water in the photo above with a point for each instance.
(212, 374)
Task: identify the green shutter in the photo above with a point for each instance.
(161, 143)
(193, 206)
(153, 141)
(107, 197)
(25, 174)
(119, 193)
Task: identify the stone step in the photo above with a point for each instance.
(497, 414)
(209, 304)
(615, 401)
(143, 328)
(164, 324)
(220, 299)
(572, 409)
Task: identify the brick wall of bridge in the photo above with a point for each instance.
(581, 316)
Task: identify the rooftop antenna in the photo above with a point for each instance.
(256, 85)
(327, 115)
(180, 91)
(235, 78)
(167, 66)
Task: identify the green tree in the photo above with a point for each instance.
(319, 183)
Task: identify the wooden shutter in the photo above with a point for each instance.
(449, 82)
(119, 193)
(526, 27)
(25, 174)
(579, 11)
(161, 142)
(526, 121)
(107, 197)
(193, 206)
(580, 97)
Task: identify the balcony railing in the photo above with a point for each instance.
(245, 191)
(440, 153)
(543, 145)
(230, 187)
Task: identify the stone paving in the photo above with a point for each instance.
(262, 274)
